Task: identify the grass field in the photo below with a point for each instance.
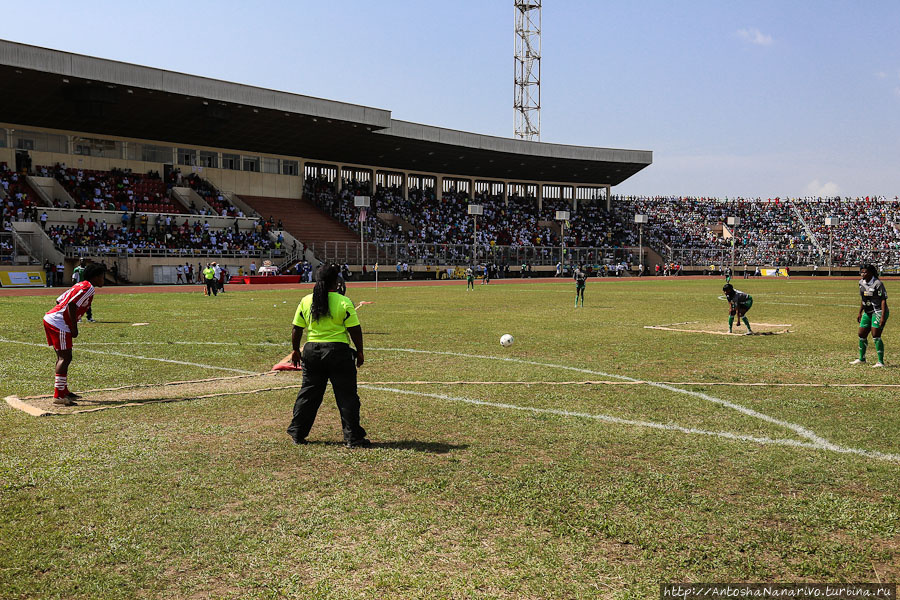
(472, 490)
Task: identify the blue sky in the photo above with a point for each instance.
(757, 98)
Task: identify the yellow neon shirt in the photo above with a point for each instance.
(332, 328)
(209, 273)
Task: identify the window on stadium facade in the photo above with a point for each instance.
(209, 159)
(39, 141)
(271, 165)
(231, 162)
(96, 147)
(250, 163)
(187, 156)
(150, 153)
(290, 167)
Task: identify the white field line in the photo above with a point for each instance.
(123, 355)
(816, 440)
(649, 424)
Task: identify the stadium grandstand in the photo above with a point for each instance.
(142, 167)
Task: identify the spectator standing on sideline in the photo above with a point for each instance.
(209, 277)
(179, 274)
(60, 271)
(217, 275)
(252, 269)
(332, 324)
(223, 278)
(78, 277)
(49, 270)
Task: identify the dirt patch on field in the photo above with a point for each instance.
(154, 393)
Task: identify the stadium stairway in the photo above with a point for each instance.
(302, 219)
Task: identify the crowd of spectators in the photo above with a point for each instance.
(772, 231)
(164, 235)
(112, 190)
(19, 202)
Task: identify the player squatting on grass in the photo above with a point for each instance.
(61, 327)
(740, 303)
(873, 313)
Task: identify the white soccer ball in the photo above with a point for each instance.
(506, 340)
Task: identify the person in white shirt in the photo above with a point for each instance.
(217, 277)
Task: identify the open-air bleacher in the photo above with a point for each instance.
(112, 190)
(158, 239)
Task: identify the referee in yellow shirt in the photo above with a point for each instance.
(327, 356)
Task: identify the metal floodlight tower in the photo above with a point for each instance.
(527, 71)
(734, 222)
(475, 210)
(641, 220)
(563, 217)
(362, 203)
(831, 223)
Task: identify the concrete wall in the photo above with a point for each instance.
(51, 190)
(140, 269)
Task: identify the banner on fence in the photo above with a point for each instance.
(22, 279)
(774, 272)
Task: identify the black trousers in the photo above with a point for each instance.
(211, 289)
(324, 362)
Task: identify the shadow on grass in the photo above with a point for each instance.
(415, 445)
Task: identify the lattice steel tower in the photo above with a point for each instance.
(527, 76)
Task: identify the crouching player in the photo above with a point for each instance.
(740, 304)
(873, 313)
(61, 327)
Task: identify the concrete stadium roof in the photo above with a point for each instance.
(66, 91)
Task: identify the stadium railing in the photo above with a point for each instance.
(414, 253)
(843, 257)
(120, 252)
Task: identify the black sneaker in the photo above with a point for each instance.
(363, 443)
(300, 442)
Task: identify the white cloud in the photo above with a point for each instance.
(897, 91)
(822, 190)
(755, 36)
(881, 75)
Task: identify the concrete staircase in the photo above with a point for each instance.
(303, 220)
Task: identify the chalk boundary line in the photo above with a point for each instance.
(815, 441)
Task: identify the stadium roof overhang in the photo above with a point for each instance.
(60, 90)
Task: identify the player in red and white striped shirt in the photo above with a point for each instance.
(61, 327)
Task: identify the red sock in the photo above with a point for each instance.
(60, 387)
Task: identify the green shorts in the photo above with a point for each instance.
(874, 320)
(745, 306)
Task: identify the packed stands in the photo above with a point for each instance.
(159, 239)
(112, 190)
(686, 229)
(771, 232)
(21, 202)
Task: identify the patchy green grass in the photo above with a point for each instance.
(209, 499)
